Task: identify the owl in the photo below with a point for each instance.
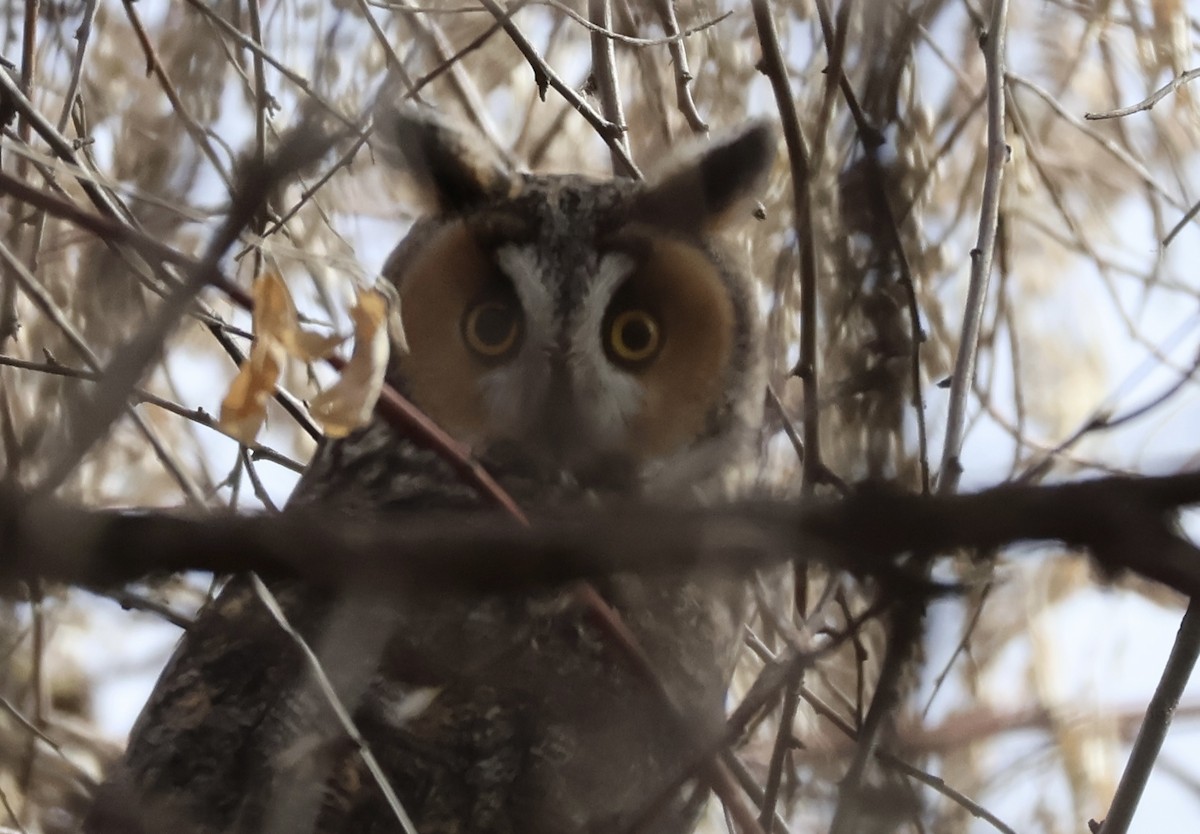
(590, 342)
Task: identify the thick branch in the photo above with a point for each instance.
(1126, 523)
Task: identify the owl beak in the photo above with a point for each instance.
(560, 418)
(568, 444)
(554, 439)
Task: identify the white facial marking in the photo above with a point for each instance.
(612, 396)
(605, 397)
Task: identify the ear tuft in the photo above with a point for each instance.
(453, 166)
(702, 189)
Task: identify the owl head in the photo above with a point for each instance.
(592, 332)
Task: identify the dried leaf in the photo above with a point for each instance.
(348, 404)
(244, 408)
(275, 317)
(277, 335)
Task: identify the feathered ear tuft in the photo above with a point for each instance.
(453, 166)
(701, 190)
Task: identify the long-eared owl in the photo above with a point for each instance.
(589, 341)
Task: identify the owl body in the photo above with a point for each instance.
(589, 342)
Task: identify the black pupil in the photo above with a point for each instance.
(636, 335)
(493, 324)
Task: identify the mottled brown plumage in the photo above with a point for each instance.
(589, 341)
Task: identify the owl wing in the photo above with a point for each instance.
(191, 752)
(198, 745)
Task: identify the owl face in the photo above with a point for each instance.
(589, 330)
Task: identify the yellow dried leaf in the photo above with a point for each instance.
(244, 408)
(275, 317)
(348, 403)
(277, 335)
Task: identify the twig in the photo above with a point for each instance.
(673, 36)
(785, 420)
(57, 142)
(778, 672)
(1096, 135)
(783, 743)
(835, 49)
(395, 65)
(979, 599)
(335, 702)
(869, 139)
(981, 256)
(83, 35)
(38, 734)
(43, 301)
(123, 372)
(263, 103)
(9, 323)
(604, 76)
(906, 630)
(1175, 675)
(895, 762)
(260, 489)
(12, 815)
(775, 68)
(1102, 417)
(243, 40)
(475, 43)
(38, 693)
(461, 82)
(1148, 102)
(154, 67)
(136, 602)
(891, 760)
(665, 9)
(115, 226)
(903, 635)
(545, 76)
(750, 786)
(107, 226)
(713, 768)
(1187, 217)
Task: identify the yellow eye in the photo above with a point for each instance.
(633, 337)
(492, 329)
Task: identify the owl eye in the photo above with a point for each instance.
(634, 338)
(492, 328)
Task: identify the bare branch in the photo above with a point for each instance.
(992, 43)
(1150, 100)
(545, 76)
(1153, 732)
(1127, 524)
